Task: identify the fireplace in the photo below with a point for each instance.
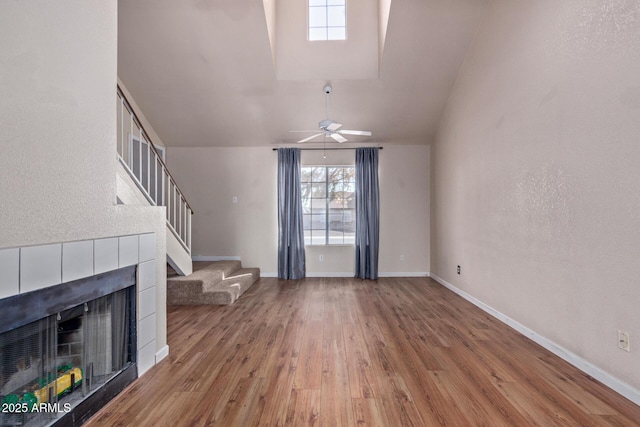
(67, 349)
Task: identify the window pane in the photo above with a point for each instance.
(350, 174)
(335, 2)
(318, 237)
(336, 16)
(339, 33)
(335, 174)
(318, 206)
(306, 175)
(349, 217)
(341, 203)
(305, 190)
(348, 222)
(319, 174)
(349, 187)
(349, 238)
(319, 190)
(317, 33)
(306, 222)
(318, 222)
(306, 205)
(335, 219)
(336, 189)
(336, 238)
(317, 17)
(319, 2)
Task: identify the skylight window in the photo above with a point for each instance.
(327, 20)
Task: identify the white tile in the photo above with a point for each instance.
(40, 266)
(146, 330)
(146, 357)
(9, 272)
(128, 251)
(105, 254)
(77, 260)
(147, 305)
(147, 247)
(146, 275)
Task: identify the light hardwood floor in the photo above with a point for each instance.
(331, 352)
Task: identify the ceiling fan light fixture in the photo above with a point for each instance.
(330, 127)
(339, 138)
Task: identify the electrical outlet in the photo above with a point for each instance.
(234, 199)
(458, 269)
(401, 257)
(321, 258)
(623, 341)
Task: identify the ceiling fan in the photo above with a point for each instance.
(331, 128)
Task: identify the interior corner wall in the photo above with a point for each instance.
(535, 175)
(211, 177)
(58, 131)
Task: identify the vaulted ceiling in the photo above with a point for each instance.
(207, 73)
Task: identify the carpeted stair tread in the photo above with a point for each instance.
(212, 282)
(244, 277)
(210, 271)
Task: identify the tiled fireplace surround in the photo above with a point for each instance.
(31, 268)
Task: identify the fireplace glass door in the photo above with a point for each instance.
(52, 364)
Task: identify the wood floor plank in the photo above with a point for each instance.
(335, 393)
(398, 403)
(362, 379)
(334, 351)
(246, 404)
(527, 404)
(309, 367)
(304, 408)
(369, 412)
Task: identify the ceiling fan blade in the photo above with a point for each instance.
(334, 126)
(311, 137)
(355, 132)
(338, 137)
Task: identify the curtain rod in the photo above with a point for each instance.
(327, 149)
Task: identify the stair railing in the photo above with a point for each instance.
(145, 164)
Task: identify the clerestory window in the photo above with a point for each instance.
(327, 20)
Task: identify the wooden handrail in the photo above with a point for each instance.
(153, 146)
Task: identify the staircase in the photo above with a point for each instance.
(212, 282)
(144, 179)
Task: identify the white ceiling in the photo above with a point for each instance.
(202, 71)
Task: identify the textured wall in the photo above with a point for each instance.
(58, 130)
(535, 174)
(210, 177)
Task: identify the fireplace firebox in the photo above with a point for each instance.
(67, 349)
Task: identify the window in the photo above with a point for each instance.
(329, 205)
(327, 20)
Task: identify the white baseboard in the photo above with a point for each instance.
(330, 274)
(214, 258)
(351, 274)
(626, 390)
(162, 353)
(404, 274)
(269, 274)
